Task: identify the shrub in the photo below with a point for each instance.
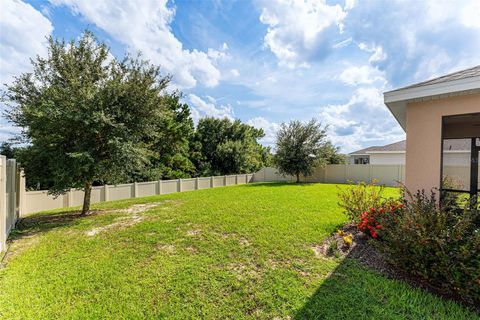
(359, 198)
(437, 243)
(370, 222)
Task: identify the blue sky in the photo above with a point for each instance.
(267, 62)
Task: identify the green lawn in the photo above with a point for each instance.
(236, 252)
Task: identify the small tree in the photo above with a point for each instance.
(300, 147)
(87, 116)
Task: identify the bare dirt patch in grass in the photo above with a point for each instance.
(169, 248)
(193, 232)
(122, 224)
(245, 270)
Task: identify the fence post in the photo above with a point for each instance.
(67, 198)
(236, 179)
(22, 191)
(159, 187)
(196, 183)
(211, 182)
(3, 203)
(224, 181)
(135, 190)
(105, 193)
(179, 185)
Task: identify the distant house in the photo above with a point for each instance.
(457, 152)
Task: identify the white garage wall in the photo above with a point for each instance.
(387, 158)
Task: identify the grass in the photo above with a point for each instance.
(241, 252)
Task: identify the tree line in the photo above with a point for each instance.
(89, 119)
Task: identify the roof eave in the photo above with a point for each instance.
(397, 100)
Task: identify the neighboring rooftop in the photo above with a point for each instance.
(396, 146)
(400, 146)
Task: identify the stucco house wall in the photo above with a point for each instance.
(424, 119)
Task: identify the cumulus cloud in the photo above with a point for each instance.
(23, 36)
(301, 31)
(363, 120)
(145, 27)
(365, 74)
(207, 108)
(417, 39)
(270, 129)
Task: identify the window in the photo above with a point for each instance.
(460, 158)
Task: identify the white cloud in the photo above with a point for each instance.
(23, 36)
(300, 31)
(414, 40)
(270, 129)
(201, 108)
(362, 121)
(145, 26)
(350, 4)
(366, 74)
(235, 72)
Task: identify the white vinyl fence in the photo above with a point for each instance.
(389, 175)
(41, 200)
(12, 182)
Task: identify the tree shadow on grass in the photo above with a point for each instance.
(41, 223)
(362, 287)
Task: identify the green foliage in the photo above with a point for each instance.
(87, 116)
(224, 147)
(331, 154)
(300, 147)
(359, 198)
(170, 146)
(7, 150)
(436, 243)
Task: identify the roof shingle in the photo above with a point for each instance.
(462, 74)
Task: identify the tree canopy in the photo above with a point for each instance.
(228, 147)
(86, 115)
(300, 147)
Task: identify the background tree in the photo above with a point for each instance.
(301, 147)
(331, 154)
(87, 116)
(228, 147)
(7, 150)
(170, 147)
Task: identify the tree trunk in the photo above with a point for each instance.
(298, 177)
(86, 198)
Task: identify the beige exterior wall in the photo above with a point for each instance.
(424, 128)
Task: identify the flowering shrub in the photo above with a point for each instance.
(440, 244)
(370, 221)
(359, 198)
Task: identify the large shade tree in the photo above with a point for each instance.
(87, 116)
(301, 147)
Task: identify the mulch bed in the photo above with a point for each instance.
(364, 251)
